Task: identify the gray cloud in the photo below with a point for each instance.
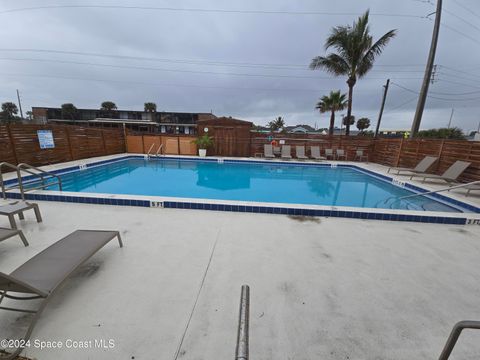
(213, 43)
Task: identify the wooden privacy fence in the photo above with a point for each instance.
(172, 144)
(390, 152)
(19, 143)
(408, 152)
(349, 144)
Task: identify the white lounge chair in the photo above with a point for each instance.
(315, 153)
(450, 175)
(340, 154)
(300, 153)
(360, 155)
(421, 167)
(329, 153)
(268, 151)
(286, 152)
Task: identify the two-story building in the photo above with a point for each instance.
(155, 122)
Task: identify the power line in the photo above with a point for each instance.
(188, 61)
(200, 10)
(161, 69)
(403, 104)
(470, 11)
(434, 97)
(462, 19)
(176, 70)
(460, 33)
(161, 84)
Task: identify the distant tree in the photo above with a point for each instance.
(108, 108)
(363, 123)
(348, 123)
(442, 133)
(69, 111)
(355, 54)
(276, 124)
(336, 101)
(9, 111)
(29, 115)
(150, 107)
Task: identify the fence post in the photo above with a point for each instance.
(14, 151)
(69, 143)
(399, 153)
(143, 144)
(103, 141)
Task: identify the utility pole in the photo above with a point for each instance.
(19, 104)
(451, 116)
(428, 72)
(383, 106)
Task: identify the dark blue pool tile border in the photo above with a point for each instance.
(109, 201)
(248, 209)
(314, 212)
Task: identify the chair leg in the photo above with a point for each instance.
(119, 239)
(21, 216)
(13, 224)
(38, 215)
(22, 236)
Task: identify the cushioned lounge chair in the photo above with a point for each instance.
(8, 233)
(268, 151)
(421, 167)
(42, 275)
(300, 153)
(450, 175)
(315, 153)
(286, 152)
(17, 208)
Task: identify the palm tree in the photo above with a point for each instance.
(69, 111)
(276, 124)
(9, 110)
(108, 108)
(355, 54)
(150, 107)
(336, 101)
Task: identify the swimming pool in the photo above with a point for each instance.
(262, 182)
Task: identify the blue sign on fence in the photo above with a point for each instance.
(45, 138)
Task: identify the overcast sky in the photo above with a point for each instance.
(249, 65)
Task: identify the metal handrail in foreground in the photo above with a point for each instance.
(41, 173)
(455, 334)
(241, 351)
(2, 184)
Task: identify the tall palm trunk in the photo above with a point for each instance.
(351, 83)
(332, 123)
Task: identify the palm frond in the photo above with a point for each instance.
(366, 63)
(332, 63)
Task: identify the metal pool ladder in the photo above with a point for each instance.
(157, 153)
(41, 177)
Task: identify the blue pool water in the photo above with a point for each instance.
(277, 183)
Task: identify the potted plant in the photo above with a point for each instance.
(203, 142)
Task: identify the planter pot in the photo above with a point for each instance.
(202, 152)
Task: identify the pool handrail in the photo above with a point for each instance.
(455, 334)
(441, 190)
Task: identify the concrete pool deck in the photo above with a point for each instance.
(321, 288)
